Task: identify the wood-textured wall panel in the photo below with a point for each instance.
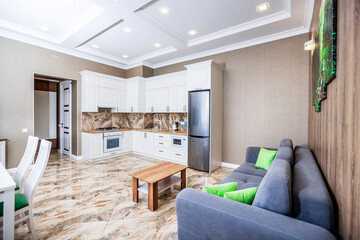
(334, 132)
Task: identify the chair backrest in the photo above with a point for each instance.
(26, 160)
(38, 170)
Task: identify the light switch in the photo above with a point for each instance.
(24, 130)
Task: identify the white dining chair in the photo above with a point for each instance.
(25, 163)
(24, 202)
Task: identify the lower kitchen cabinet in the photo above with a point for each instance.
(92, 145)
(155, 145)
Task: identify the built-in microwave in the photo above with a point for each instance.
(178, 141)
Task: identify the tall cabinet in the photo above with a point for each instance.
(208, 75)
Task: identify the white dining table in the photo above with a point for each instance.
(7, 195)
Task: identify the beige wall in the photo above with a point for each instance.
(140, 71)
(265, 95)
(18, 62)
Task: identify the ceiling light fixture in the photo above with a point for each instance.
(44, 28)
(157, 44)
(95, 46)
(125, 56)
(262, 7)
(164, 10)
(192, 32)
(126, 29)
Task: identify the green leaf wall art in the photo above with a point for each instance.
(324, 55)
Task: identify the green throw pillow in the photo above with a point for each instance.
(246, 195)
(220, 189)
(265, 158)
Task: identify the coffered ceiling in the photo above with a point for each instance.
(155, 33)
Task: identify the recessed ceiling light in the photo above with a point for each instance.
(164, 10)
(125, 56)
(192, 32)
(126, 29)
(262, 7)
(157, 44)
(95, 46)
(44, 28)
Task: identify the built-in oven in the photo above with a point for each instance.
(178, 141)
(112, 141)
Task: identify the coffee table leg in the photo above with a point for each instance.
(153, 196)
(183, 179)
(135, 190)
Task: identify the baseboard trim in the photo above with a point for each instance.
(229, 165)
(72, 156)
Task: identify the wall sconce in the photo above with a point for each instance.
(309, 45)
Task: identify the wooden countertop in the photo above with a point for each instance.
(4, 139)
(182, 133)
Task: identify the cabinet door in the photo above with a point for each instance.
(120, 100)
(148, 143)
(91, 96)
(107, 97)
(198, 79)
(150, 100)
(173, 99)
(97, 145)
(106, 82)
(137, 141)
(164, 100)
(132, 95)
(182, 99)
(126, 141)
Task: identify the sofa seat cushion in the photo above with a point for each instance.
(243, 180)
(274, 193)
(250, 169)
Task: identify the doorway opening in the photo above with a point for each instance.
(53, 112)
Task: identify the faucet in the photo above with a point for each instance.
(157, 120)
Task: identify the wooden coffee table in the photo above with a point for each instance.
(159, 178)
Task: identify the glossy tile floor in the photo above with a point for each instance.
(82, 200)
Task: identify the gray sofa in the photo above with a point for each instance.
(292, 202)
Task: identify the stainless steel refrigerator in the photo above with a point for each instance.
(199, 130)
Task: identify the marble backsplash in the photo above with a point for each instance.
(105, 118)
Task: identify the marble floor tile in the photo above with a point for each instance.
(82, 200)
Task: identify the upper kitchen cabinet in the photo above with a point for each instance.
(89, 92)
(166, 93)
(200, 75)
(135, 95)
(100, 90)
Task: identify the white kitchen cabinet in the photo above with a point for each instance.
(92, 145)
(178, 99)
(126, 141)
(142, 142)
(150, 100)
(107, 97)
(89, 92)
(135, 95)
(121, 100)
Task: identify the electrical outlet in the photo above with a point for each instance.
(24, 130)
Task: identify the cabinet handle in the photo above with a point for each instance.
(178, 154)
(161, 151)
(145, 135)
(132, 108)
(168, 108)
(161, 136)
(152, 108)
(198, 88)
(184, 108)
(112, 153)
(161, 143)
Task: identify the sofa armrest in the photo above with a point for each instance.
(252, 154)
(205, 216)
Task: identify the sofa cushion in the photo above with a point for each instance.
(286, 143)
(243, 180)
(249, 168)
(246, 195)
(252, 153)
(274, 193)
(221, 189)
(285, 153)
(312, 202)
(265, 158)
